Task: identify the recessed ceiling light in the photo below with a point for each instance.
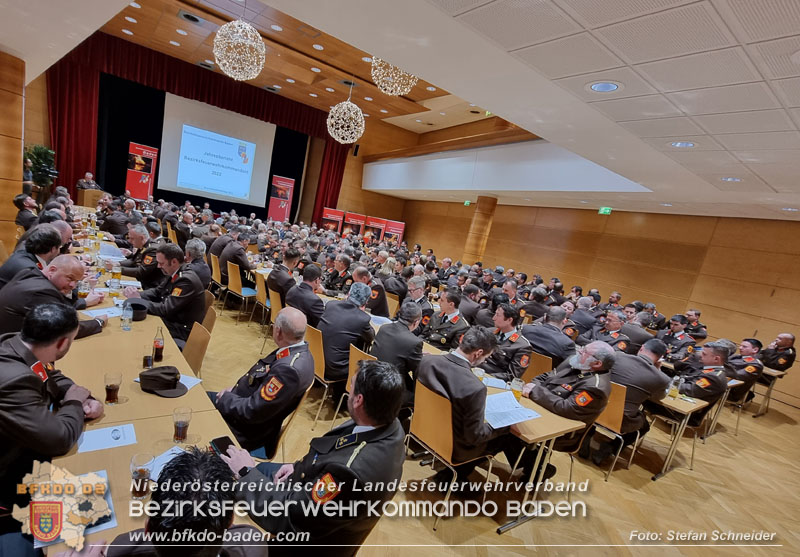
(731, 179)
(527, 199)
(604, 86)
(367, 98)
(682, 144)
(276, 27)
(127, 31)
(313, 95)
(318, 47)
(276, 86)
(366, 115)
(289, 80)
(209, 61)
(329, 89)
(666, 204)
(316, 70)
(181, 32)
(366, 59)
(129, 18)
(384, 111)
(430, 88)
(471, 104)
(175, 43)
(418, 121)
(442, 113)
(582, 201)
(135, 5)
(790, 209)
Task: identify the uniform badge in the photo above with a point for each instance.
(148, 259)
(426, 319)
(444, 340)
(751, 369)
(45, 520)
(346, 440)
(583, 398)
(614, 334)
(514, 337)
(271, 389)
(524, 360)
(454, 320)
(40, 371)
(703, 382)
(690, 349)
(38, 264)
(622, 345)
(781, 361)
(374, 294)
(348, 282)
(569, 331)
(748, 358)
(325, 489)
(282, 353)
(522, 313)
(176, 292)
(566, 386)
(301, 265)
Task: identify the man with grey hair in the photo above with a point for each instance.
(446, 270)
(141, 264)
(183, 230)
(609, 332)
(195, 257)
(634, 330)
(535, 306)
(417, 293)
(396, 343)
(257, 405)
(344, 322)
(582, 316)
(657, 320)
(548, 338)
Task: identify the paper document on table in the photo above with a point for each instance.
(135, 283)
(109, 312)
(378, 320)
(108, 250)
(107, 438)
(494, 382)
(162, 460)
(503, 410)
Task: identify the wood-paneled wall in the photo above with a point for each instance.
(12, 76)
(742, 274)
(37, 121)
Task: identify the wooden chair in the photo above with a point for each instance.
(196, 346)
(393, 303)
(3, 252)
(252, 248)
(432, 428)
(235, 288)
(210, 319)
(356, 356)
(275, 307)
(209, 298)
(216, 276)
(653, 332)
(611, 421)
(261, 300)
(314, 340)
(261, 453)
(539, 364)
(171, 233)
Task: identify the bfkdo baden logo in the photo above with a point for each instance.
(46, 520)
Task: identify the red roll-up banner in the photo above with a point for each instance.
(373, 229)
(280, 201)
(141, 168)
(353, 224)
(393, 233)
(332, 219)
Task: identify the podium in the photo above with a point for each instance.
(88, 198)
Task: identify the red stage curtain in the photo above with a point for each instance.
(72, 103)
(330, 178)
(104, 53)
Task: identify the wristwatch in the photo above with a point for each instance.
(243, 471)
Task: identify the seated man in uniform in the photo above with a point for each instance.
(41, 247)
(578, 389)
(694, 328)
(582, 316)
(339, 280)
(303, 296)
(469, 302)
(745, 367)
(635, 330)
(236, 252)
(344, 322)
(356, 462)
(680, 346)
(42, 412)
(141, 264)
(280, 279)
(377, 304)
(643, 379)
(26, 206)
(396, 344)
(780, 353)
(196, 260)
(609, 332)
(178, 300)
(513, 353)
(613, 302)
(657, 320)
(548, 338)
(257, 405)
(447, 326)
(418, 295)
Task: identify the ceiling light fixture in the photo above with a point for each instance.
(682, 144)
(391, 79)
(289, 80)
(207, 61)
(384, 111)
(318, 47)
(790, 209)
(367, 59)
(129, 18)
(127, 31)
(430, 88)
(313, 95)
(730, 179)
(329, 89)
(316, 70)
(367, 98)
(276, 86)
(276, 27)
(442, 113)
(135, 5)
(666, 204)
(239, 50)
(181, 32)
(604, 86)
(346, 121)
(175, 43)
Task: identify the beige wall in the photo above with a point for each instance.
(12, 74)
(37, 122)
(741, 273)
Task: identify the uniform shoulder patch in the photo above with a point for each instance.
(325, 489)
(702, 382)
(39, 369)
(569, 331)
(524, 360)
(455, 319)
(282, 353)
(426, 319)
(522, 312)
(374, 294)
(781, 361)
(751, 369)
(348, 282)
(514, 337)
(176, 291)
(271, 389)
(148, 260)
(622, 345)
(690, 349)
(583, 398)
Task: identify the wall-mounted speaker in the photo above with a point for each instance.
(355, 151)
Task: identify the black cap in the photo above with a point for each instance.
(162, 381)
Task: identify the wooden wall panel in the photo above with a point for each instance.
(758, 234)
(686, 229)
(37, 122)
(567, 219)
(11, 109)
(674, 283)
(316, 150)
(11, 159)
(12, 73)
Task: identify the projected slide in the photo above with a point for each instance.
(212, 163)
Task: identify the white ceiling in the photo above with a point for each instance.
(41, 32)
(722, 74)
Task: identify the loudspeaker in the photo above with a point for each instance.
(355, 151)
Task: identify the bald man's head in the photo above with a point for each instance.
(64, 229)
(64, 272)
(290, 326)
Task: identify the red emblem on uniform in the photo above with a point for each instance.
(583, 398)
(748, 358)
(148, 259)
(38, 264)
(569, 331)
(374, 294)
(301, 265)
(614, 334)
(751, 369)
(690, 349)
(40, 371)
(176, 291)
(703, 382)
(622, 345)
(524, 360)
(270, 390)
(781, 361)
(325, 489)
(426, 319)
(454, 319)
(348, 282)
(45, 520)
(282, 353)
(522, 313)
(514, 337)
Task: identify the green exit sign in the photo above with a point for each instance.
(466, 203)
(604, 211)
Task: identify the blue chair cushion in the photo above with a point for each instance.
(247, 292)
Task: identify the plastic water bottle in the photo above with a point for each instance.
(674, 387)
(127, 317)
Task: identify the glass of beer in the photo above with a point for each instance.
(83, 289)
(181, 418)
(114, 288)
(141, 470)
(116, 271)
(112, 381)
(516, 387)
(479, 372)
